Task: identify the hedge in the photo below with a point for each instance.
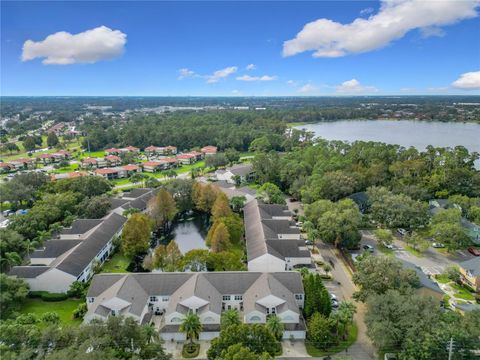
(47, 296)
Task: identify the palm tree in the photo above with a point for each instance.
(346, 312)
(229, 318)
(191, 326)
(275, 325)
(152, 334)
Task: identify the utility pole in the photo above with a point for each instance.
(450, 349)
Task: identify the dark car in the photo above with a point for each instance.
(474, 251)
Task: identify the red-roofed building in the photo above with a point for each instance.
(209, 150)
(113, 160)
(187, 158)
(63, 154)
(152, 166)
(6, 167)
(108, 173)
(69, 175)
(21, 164)
(130, 149)
(94, 163)
(46, 158)
(57, 128)
(112, 151)
(131, 169)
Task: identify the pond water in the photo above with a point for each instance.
(407, 133)
(189, 233)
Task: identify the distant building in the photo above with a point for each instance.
(160, 150)
(164, 299)
(242, 172)
(209, 150)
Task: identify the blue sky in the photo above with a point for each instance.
(140, 48)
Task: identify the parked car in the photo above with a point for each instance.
(401, 231)
(368, 248)
(474, 251)
(333, 297)
(388, 246)
(7, 213)
(334, 304)
(438, 245)
(308, 242)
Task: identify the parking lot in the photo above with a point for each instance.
(431, 261)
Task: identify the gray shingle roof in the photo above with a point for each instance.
(260, 227)
(135, 289)
(81, 226)
(82, 255)
(241, 169)
(136, 193)
(472, 265)
(55, 248)
(28, 272)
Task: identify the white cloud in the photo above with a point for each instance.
(257, 78)
(62, 48)
(367, 11)
(395, 18)
(251, 67)
(221, 74)
(307, 89)
(292, 83)
(468, 81)
(185, 73)
(354, 87)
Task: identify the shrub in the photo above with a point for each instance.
(51, 317)
(46, 296)
(80, 311)
(190, 350)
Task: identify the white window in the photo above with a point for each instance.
(273, 310)
(176, 320)
(153, 298)
(255, 318)
(91, 300)
(238, 297)
(298, 296)
(226, 297)
(268, 311)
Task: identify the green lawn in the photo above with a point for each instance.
(67, 169)
(384, 250)
(185, 168)
(463, 293)
(117, 264)
(414, 252)
(121, 181)
(63, 308)
(352, 337)
(94, 154)
(442, 279)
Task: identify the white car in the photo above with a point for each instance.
(388, 246)
(438, 245)
(333, 297)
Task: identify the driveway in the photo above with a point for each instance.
(343, 287)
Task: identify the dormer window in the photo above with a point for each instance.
(226, 297)
(153, 299)
(91, 300)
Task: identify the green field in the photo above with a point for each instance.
(67, 169)
(118, 263)
(72, 146)
(63, 308)
(462, 292)
(93, 154)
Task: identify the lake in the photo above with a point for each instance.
(190, 233)
(406, 133)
